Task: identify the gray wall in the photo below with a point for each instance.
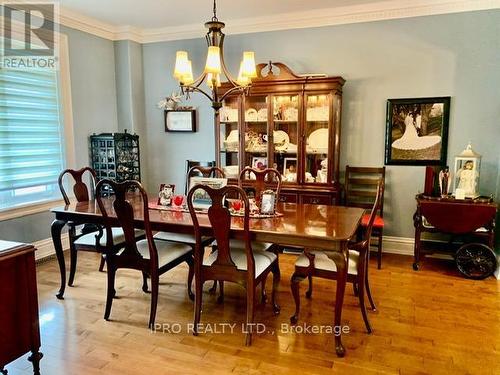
(92, 71)
(167, 152)
(453, 55)
(130, 95)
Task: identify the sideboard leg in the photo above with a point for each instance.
(35, 358)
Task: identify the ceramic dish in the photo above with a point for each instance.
(317, 142)
(281, 140)
(251, 114)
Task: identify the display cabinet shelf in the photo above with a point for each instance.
(288, 122)
(115, 156)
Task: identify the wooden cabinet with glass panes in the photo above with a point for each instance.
(289, 122)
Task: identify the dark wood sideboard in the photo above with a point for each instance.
(19, 327)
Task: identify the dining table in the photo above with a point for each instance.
(297, 225)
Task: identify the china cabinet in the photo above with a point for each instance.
(115, 156)
(289, 122)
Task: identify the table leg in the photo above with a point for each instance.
(416, 250)
(56, 228)
(341, 259)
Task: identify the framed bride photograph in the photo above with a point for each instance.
(417, 131)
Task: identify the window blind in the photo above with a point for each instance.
(31, 147)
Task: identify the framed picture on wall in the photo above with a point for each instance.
(417, 131)
(180, 120)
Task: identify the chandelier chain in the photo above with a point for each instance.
(214, 18)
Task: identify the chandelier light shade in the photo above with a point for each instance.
(215, 67)
(213, 60)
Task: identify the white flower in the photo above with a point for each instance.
(162, 104)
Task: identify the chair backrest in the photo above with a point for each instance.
(263, 179)
(125, 194)
(361, 187)
(195, 163)
(220, 221)
(80, 188)
(375, 208)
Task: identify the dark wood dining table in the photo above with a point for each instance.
(304, 225)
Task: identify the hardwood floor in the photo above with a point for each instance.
(432, 321)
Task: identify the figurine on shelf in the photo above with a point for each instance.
(444, 181)
(466, 173)
(323, 172)
(467, 178)
(309, 177)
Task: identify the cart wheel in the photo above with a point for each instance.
(416, 266)
(476, 261)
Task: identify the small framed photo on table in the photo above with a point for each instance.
(180, 120)
(268, 202)
(165, 195)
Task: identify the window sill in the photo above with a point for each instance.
(13, 213)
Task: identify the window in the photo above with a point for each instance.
(32, 139)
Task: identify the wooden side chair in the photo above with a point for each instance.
(152, 258)
(360, 191)
(91, 235)
(318, 264)
(196, 163)
(188, 238)
(255, 181)
(248, 266)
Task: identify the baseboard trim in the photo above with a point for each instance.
(398, 245)
(45, 248)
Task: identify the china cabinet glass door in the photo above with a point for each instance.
(286, 136)
(317, 136)
(256, 131)
(229, 138)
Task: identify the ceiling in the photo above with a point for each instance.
(147, 21)
(147, 14)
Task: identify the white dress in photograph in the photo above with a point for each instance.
(410, 139)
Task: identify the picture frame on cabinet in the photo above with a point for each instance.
(259, 162)
(290, 170)
(417, 131)
(180, 120)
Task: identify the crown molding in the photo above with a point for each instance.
(383, 10)
(86, 24)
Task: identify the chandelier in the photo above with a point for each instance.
(214, 67)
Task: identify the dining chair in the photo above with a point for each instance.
(255, 181)
(188, 238)
(317, 264)
(153, 258)
(196, 163)
(90, 235)
(247, 266)
(360, 191)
